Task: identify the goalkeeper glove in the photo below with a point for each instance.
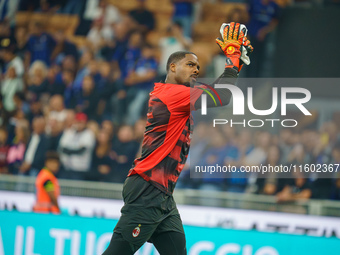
(235, 45)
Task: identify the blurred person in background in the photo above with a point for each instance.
(57, 109)
(37, 80)
(263, 20)
(101, 167)
(98, 9)
(214, 155)
(8, 54)
(47, 186)
(183, 13)
(139, 129)
(40, 45)
(174, 41)
(145, 19)
(54, 133)
(93, 126)
(140, 83)
(3, 151)
(70, 118)
(8, 10)
(17, 148)
(36, 109)
(256, 156)
(4, 115)
(199, 145)
(63, 48)
(10, 85)
(21, 38)
(76, 147)
(21, 103)
(124, 63)
(295, 188)
(36, 149)
(88, 99)
(108, 127)
(124, 150)
(99, 35)
(267, 183)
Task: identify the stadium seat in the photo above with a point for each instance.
(66, 23)
(22, 18)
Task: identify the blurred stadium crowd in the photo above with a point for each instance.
(76, 77)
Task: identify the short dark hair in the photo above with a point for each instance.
(175, 57)
(52, 155)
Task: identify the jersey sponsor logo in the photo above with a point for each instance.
(136, 231)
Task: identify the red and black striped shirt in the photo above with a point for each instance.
(167, 136)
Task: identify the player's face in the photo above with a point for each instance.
(187, 70)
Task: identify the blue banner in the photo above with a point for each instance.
(46, 234)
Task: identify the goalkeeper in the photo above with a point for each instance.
(149, 213)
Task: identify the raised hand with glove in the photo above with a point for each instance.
(235, 45)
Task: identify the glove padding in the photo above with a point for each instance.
(235, 45)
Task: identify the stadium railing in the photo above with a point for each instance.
(182, 196)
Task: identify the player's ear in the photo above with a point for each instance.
(173, 67)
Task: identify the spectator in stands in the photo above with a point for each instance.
(140, 82)
(98, 9)
(10, 85)
(57, 109)
(36, 109)
(21, 39)
(8, 10)
(36, 148)
(214, 155)
(21, 103)
(123, 151)
(69, 93)
(108, 127)
(144, 18)
(69, 120)
(40, 45)
(94, 127)
(124, 63)
(10, 57)
(37, 80)
(90, 67)
(101, 169)
(3, 151)
(174, 41)
(99, 35)
(183, 13)
(4, 115)
(62, 78)
(267, 183)
(17, 148)
(76, 147)
(295, 189)
(264, 18)
(139, 129)
(258, 154)
(63, 48)
(54, 133)
(88, 99)
(108, 13)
